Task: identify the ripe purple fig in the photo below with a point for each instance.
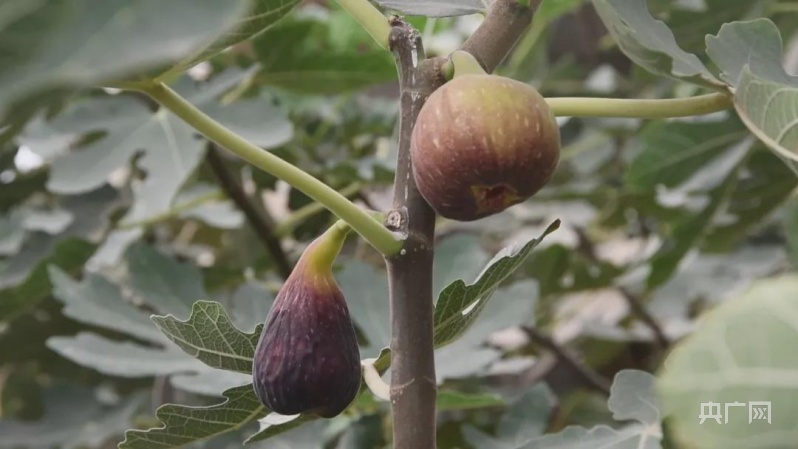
(307, 359)
(481, 144)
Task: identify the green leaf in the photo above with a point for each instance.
(182, 425)
(632, 398)
(741, 353)
(219, 214)
(57, 45)
(171, 149)
(674, 151)
(74, 418)
(90, 212)
(12, 233)
(296, 55)
(750, 55)
(690, 231)
(754, 43)
(454, 400)
(123, 359)
(456, 257)
(169, 286)
(459, 304)
(526, 418)
(94, 300)
(210, 336)
(768, 109)
(791, 230)
(366, 292)
(160, 283)
(435, 8)
(529, 416)
(261, 14)
(763, 190)
(469, 355)
(69, 255)
(650, 43)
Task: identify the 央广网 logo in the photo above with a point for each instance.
(757, 411)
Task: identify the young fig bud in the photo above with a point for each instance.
(307, 359)
(481, 144)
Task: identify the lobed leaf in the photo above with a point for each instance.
(183, 425)
(750, 55)
(632, 397)
(210, 336)
(650, 43)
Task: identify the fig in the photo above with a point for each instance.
(481, 144)
(307, 359)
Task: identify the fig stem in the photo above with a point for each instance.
(370, 18)
(377, 235)
(462, 63)
(302, 214)
(634, 108)
(325, 249)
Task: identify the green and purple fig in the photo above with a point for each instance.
(481, 144)
(307, 359)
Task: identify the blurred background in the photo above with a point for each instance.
(112, 210)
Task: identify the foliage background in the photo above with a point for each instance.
(111, 210)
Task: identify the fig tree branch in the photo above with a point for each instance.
(590, 378)
(413, 382)
(496, 36)
(371, 230)
(639, 311)
(258, 220)
(302, 214)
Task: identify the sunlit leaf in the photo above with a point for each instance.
(737, 355)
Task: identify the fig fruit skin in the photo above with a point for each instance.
(307, 359)
(482, 143)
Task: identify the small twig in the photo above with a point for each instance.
(590, 377)
(305, 212)
(259, 220)
(175, 211)
(640, 312)
(585, 247)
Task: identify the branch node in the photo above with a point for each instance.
(396, 220)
